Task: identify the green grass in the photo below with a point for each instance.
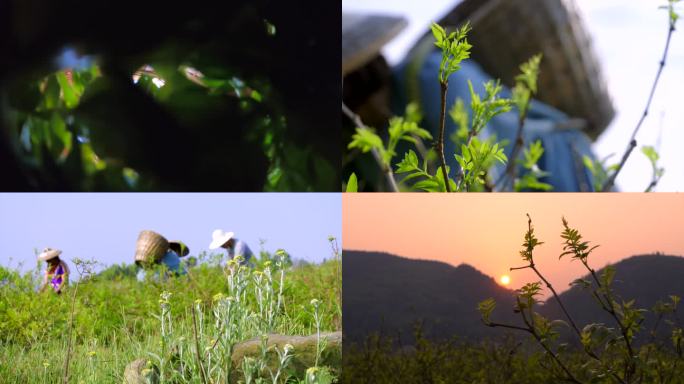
(117, 319)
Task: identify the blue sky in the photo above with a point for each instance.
(628, 37)
(105, 226)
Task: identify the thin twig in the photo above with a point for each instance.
(67, 358)
(652, 184)
(611, 310)
(533, 331)
(493, 325)
(211, 348)
(632, 142)
(558, 300)
(444, 86)
(579, 168)
(197, 347)
(511, 169)
(386, 170)
(548, 284)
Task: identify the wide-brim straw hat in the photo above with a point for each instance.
(506, 33)
(179, 247)
(219, 237)
(364, 35)
(48, 254)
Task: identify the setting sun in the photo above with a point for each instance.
(505, 280)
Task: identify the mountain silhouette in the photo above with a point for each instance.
(646, 279)
(388, 294)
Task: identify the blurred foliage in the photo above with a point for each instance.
(382, 359)
(176, 101)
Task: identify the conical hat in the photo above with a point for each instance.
(364, 35)
(49, 253)
(179, 247)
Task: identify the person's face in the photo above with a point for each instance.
(228, 244)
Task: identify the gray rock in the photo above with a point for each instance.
(304, 352)
(141, 371)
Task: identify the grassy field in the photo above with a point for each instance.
(187, 326)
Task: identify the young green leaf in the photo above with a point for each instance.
(352, 185)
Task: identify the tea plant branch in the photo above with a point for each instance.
(530, 243)
(455, 49)
(580, 250)
(501, 325)
(525, 87)
(632, 142)
(385, 168)
(477, 156)
(444, 86)
(509, 173)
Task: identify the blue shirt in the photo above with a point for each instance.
(173, 262)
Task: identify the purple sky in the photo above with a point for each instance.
(105, 226)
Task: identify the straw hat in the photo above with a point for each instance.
(219, 237)
(179, 247)
(364, 35)
(49, 253)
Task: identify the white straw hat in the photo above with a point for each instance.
(219, 237)
(49, 253)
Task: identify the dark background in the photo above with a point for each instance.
(194, 141)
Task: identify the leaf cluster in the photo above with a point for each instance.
(573, 244)
(530, 179)
(526, 84)
(530, 243)
(400, 129)
(485, 109)
(428, 183)
(455, 48)
(475, 159)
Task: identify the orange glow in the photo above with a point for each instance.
(486, 230)
(505, 280)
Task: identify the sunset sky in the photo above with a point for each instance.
(486, 231)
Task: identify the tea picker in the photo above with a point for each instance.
(152, 249)
(57, 272)
(232, 245)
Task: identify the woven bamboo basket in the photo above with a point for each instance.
(150, 247)
(508, 32)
